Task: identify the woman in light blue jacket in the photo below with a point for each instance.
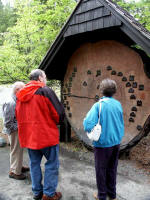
(106, 149)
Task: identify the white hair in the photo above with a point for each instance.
(17, 86)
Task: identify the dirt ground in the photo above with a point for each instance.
(76, 178)
(141, 153)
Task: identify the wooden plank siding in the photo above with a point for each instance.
(88, 5)
(90, 15)
(87, 16)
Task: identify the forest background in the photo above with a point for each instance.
(29, 27)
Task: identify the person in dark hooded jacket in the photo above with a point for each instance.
(38, 113)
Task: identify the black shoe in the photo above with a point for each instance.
(38, 197)
(25, 169)
(17, 177)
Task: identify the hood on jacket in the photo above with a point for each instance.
(26, 93)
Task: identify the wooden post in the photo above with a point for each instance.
(65, 128)
(65, 131)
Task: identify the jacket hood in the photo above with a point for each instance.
(28, 91)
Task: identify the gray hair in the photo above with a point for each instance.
(108, 87)
(34, 75)
(17, 86)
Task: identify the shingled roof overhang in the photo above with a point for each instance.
(92, 20)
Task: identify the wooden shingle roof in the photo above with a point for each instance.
(92, 19)
(89, 16)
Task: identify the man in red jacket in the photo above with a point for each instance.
(38, 113)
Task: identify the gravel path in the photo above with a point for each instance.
(76, 179)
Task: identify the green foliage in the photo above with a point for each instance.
(26, 43)
(7, 17)
(53, 83)
(140, 10)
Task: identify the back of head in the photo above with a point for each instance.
(35, 74)
(38, 75)
(108, 87)
(17, 86)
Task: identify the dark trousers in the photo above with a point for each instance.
(106, 161)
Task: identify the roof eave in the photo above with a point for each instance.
(130, 28)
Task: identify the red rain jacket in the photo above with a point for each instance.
(38, 113)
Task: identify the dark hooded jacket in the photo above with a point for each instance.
(38, 112)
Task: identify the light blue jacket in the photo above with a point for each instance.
(111, 120)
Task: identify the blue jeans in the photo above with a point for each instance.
(51, 170)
